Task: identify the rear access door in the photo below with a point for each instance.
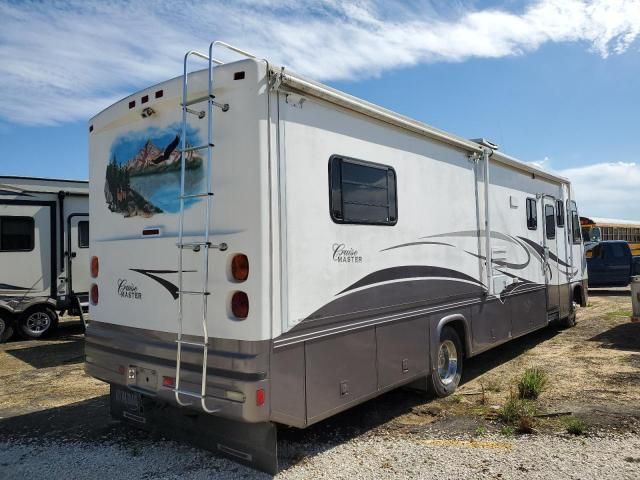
(78, 248)
(27, 248)
(551, 265)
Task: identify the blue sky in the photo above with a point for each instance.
(551, 81)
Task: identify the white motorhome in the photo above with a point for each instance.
(268, 250)
(44, 253)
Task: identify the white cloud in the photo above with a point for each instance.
(607, 189)
(65, 61)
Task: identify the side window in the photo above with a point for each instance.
(560, 213)
(550, 221)
(362, 192)
(617, 250)
(17, 234)
(575, 228)
(596, 252)
(83, 234)
(532, 214)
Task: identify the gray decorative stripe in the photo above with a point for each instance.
(502, 263)
(540, 250)
(6, 286)
(408, 272)
(473, 233)
(411, 244)
(171, 287)
(307, 330)
(392, 298)
(14, 193)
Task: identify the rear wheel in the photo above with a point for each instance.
(6, 328)
(37, 322)
(446, 376)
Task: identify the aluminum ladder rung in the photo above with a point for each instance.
(195, 100)
(196, 195)
(193, 344)
(193, 244)
(222, 106)
(193, 292)
(199, 147)
(188, 393)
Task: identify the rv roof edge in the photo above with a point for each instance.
(310, 87)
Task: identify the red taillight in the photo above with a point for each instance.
(260, 397)
(168, 382)
(95, 267)
(240, 305)
(240, 267)
(95, 294)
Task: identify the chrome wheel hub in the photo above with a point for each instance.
(447, 362)
(38, 322)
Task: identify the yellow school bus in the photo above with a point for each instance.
(597, 229)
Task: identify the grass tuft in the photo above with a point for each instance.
(575, 426)
(532, 383)
(518, 413)
(507, 430)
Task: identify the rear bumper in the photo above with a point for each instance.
(139, 359)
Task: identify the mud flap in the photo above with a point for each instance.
(252, 444)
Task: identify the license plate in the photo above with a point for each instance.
(128, 400)
(127, 404)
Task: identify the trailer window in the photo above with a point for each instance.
(550, 221)
(559, 213)
(362, 192)
(83, 234)
(532, 214)
(16, 234)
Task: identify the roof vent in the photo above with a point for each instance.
(485, 143)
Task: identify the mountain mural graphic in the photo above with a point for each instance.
(148, 181)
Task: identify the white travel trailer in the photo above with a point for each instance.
(44, 253)
(268, 250)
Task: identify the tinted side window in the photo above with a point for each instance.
(532, 214)
(550, 221)
(560, 213)
(575, 227)
(362, 192)
(616, 250)
(16, 234)
(83, 234)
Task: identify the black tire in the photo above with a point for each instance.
(445, 378)
(37, 322)
(6, 328)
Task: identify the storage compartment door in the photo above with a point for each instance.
(402, 351)
(340, 371)
(26, 250)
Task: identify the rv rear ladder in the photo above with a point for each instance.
(196, 246)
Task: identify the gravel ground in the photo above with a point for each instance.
(55, 423)
(371, 456)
